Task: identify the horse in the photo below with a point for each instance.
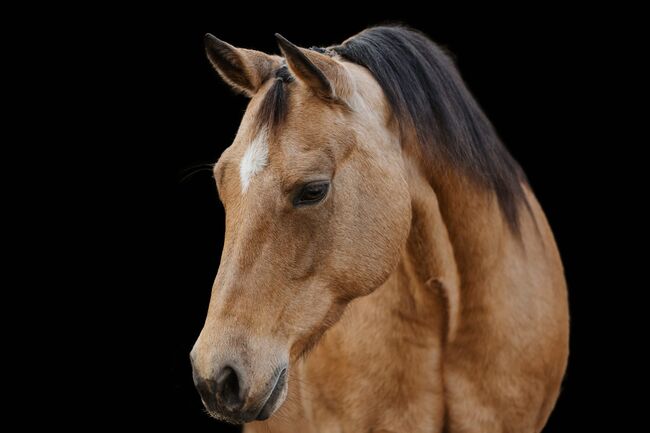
(386, 266)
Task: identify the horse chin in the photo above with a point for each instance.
(230, 419)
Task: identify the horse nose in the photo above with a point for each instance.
(224, 390)
(229, 389)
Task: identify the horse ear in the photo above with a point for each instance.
(324, 75)
(245, 70)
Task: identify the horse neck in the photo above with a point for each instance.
(457, 235)
(418, 308)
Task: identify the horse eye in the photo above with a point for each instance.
(311, 193)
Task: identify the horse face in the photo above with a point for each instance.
(317, 211)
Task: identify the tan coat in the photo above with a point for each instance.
(400, 302)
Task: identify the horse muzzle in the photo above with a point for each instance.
(231, 394)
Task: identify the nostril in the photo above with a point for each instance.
(228, 388)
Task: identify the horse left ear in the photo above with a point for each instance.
(324, 75)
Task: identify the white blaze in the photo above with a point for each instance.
(254, 160)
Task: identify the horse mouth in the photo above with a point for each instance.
(271, 402)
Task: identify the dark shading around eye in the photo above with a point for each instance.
(311, 193)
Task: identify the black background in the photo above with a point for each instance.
(157, 115)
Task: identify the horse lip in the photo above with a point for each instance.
(267, 409)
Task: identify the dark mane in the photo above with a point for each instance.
(274, 106)
(426, 93)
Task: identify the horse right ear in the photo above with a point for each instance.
(245, 70)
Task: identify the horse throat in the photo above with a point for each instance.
(429, 258)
